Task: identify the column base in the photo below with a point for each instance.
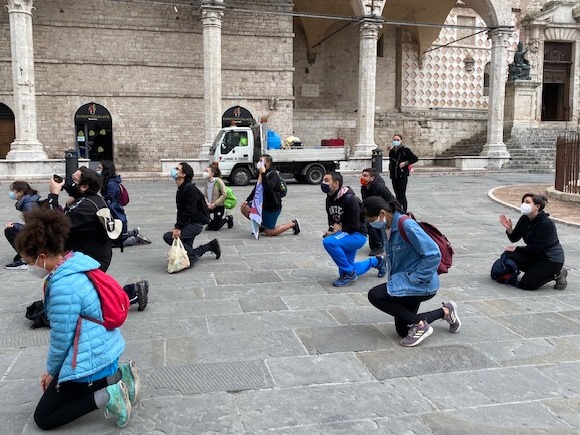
(363, 150)
(204, 152)
(26, 150)
(495, 150)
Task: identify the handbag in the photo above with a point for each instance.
(231, 200)
(177, 258)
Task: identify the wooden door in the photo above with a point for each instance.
(7, 136)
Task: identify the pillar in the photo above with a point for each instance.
(26, 145)
(369, 32)
(495, 147)
(211, 19)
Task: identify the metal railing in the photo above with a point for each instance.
(568, 163)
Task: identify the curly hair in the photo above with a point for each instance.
(45, 232)
(23, 186)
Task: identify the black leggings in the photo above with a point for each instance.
(11, 233)
(400, 188)
(218, 219)
(537, 273)
(71, 401)
(403, 308)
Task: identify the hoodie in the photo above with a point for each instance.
(345, 208)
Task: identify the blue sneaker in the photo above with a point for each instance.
(345, 279)
(131, 379)
(118, 404)
(382, 266)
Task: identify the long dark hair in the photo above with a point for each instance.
(374, 204)
(23, 186)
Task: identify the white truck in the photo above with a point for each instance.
(236, 150)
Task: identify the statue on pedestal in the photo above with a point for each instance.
(520, 68)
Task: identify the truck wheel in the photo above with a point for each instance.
(315, 174)
(240, 177)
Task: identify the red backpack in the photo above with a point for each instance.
(123, 195)
(114, 305)
(442, 242)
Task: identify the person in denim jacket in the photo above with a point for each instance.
(412, 276)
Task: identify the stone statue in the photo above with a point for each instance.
(520, 68)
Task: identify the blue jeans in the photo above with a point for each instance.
(342, 248)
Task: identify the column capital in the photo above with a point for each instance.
(499, 37)
(369, 27)
(20, 6)
(212, 12)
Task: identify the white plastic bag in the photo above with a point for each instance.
(177, 258)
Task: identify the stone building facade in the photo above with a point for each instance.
(140, 81)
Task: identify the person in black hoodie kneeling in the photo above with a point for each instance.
(541, 260)
(347, 232)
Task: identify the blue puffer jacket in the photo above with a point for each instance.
(413, 265)
(70, 293)
(27, 203)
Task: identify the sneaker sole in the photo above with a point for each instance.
(136, 379)
(458, 320)
(23, 267)
(338, 284)
(420, 339)
(125, 392)
(142, 296)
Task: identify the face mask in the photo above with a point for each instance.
(396, 143)
(37, 271)
(205, 175)
(174, 173)
(379, 224)
(12, 195)
(363, 181)
(99, 172)
(71, 187)
(259, 165)
(325, 187)
(525, 208)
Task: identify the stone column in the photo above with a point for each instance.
(369, 32)
(495, 147)
(211, 19)
(26, 145)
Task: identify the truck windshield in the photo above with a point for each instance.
(233, 139)
(216, 142)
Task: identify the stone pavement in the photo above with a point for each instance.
(260, 342)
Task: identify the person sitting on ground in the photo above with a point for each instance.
(111, 191)
(215, 195)
(95, 380)
(412, 274)
(541, 260)
(87, 234)
(372, 184)
(272, 203)
(189, 221)
(347, 232)
(27, 199)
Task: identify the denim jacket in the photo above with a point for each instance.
(413, 265)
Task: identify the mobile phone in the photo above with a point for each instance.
(57, 178)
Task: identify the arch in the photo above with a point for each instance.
(94, 132)
(7, 129)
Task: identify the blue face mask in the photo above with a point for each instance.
(396, 143)
(174, 173)
(325, 187)
(379, 225)
(12, 195)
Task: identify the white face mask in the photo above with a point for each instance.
(525, 208)
(205, 175)
(259, 165)
(37, 271)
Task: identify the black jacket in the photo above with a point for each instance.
(377, 188)
(270, 181)
(187, 200)
(541, 238)
(346, 210)
(87, 234)
(398, 155)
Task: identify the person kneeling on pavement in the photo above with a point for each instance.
(189, 222)
(412, 277)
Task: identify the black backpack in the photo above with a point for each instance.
(280, 188)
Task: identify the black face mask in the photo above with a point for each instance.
(71, 187)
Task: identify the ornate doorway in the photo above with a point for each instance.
(7, 130)
(556, 82)
(94, 132)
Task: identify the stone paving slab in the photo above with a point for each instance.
(260, 341)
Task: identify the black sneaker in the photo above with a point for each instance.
(376, 252)
(381, 266)
(142, 240)
(17, 265)
(214, 247)
(230, 221)
(561, 281)
(296, 228)
(142, 294)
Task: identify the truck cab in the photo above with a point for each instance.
(235, 150)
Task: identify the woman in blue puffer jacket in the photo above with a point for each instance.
(412, 277)
(96, 380)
